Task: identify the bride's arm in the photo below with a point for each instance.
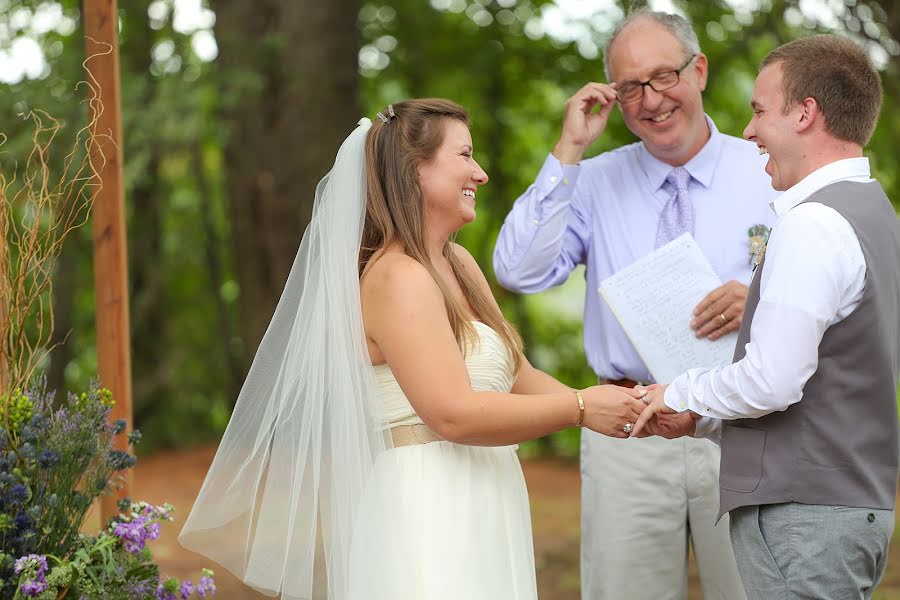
(405, 316)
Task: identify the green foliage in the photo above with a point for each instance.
(15, 410)
(56, 457)
(115, 565)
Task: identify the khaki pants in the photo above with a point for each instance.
(643, 501)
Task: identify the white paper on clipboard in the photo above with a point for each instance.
(654, 300)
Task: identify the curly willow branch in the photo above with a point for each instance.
(39, 208)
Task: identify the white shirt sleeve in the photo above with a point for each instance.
(814, 276)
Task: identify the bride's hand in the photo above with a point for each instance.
(609, 408)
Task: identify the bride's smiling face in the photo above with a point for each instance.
(450, 180)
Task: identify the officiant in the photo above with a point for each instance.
(644, 500)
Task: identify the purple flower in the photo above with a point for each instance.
(33, 588)
(187, 588)
(139, 590)
(32, 566)
(19, 494)
(32, 561)
(163, 594)
(152, 530)
(206, 586)
(133, 535)
(48, 459)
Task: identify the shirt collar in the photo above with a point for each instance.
(701, 166)
(848, 168)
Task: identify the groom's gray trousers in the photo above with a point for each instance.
(793, 551)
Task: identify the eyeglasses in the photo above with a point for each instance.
(632, 91)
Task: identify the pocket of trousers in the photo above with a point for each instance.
(766, 545)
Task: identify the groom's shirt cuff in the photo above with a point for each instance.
(706, 427)
(709, 428)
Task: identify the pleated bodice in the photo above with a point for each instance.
(489, 365)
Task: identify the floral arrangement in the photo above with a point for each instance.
(56, 458)
(57, 455)
(758, 238)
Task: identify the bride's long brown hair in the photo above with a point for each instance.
(395, 209)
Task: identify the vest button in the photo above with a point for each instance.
(871, 518)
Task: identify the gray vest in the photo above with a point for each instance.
(839, 444)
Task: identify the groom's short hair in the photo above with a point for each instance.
(839, 76)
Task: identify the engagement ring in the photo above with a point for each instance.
(628, 427)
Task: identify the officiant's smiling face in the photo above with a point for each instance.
(671, 123)
(450, 180)
(774, 129)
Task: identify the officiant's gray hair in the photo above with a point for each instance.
(675, 24)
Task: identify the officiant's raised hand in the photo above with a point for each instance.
(611, 410)
(658, 419)
(721, 311)
(587, 113)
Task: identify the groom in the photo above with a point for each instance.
(807, 413)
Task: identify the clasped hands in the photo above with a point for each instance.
(657, 418)
(640, 412)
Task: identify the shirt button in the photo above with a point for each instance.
(535, 221)
(554, 179)
(871, 518)
(565, 182)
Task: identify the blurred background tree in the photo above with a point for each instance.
(233, 110)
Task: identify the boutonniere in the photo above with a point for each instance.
(759, 237)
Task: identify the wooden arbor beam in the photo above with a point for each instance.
(101, 29)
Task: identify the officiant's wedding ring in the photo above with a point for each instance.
(723, 317)
(628, 427)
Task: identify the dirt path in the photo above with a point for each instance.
(553, 487)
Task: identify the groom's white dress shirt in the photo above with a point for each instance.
(814, 277)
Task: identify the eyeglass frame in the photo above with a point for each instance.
(649, 83)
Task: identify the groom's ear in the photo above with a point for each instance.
(808, 115)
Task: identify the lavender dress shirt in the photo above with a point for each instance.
(604, 212)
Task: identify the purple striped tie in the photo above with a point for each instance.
(677, 216)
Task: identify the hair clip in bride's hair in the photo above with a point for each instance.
(390, 112)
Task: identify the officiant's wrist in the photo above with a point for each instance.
(580, 399)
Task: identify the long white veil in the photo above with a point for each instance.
(305, 432)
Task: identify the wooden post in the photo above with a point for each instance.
(101, 29)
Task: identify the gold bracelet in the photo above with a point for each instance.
(580, 409)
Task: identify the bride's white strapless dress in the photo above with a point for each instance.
(443, 521)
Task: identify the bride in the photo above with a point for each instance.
(371, 453)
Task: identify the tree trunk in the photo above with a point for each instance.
(149, 324)
(289, 80)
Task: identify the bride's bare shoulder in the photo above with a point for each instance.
(395, 277)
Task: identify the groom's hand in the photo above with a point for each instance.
(659, 419)
(670, 426)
